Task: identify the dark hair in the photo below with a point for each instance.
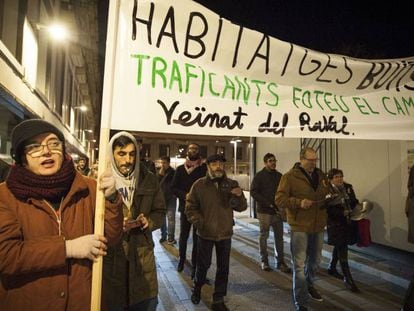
(122, 141)
(304, 150)
(165, 158)
(334, 171)
(188, 145)
(267, 156)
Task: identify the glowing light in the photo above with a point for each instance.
(58, 32)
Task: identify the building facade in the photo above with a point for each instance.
(53, 78)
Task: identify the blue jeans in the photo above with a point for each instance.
(265, 222)
(306, 251)
(170, 217)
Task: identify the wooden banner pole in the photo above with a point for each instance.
(110, 56)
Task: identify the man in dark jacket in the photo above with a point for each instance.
(82, 167)
(165, 176)
(184, 177)
(263, 190)
(209, 207)
(129, 269)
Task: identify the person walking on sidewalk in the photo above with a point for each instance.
(129, 270)
(209, 207)
(342, 231)
(302, 193)
(408, 303)
(47, 209)
(165, 176)
(184, 177)
(263, 190)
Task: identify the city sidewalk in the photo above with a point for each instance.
(391, 265)
(381, 273)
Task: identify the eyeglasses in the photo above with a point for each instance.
(36, 150)
(272, 160)
(312, 160)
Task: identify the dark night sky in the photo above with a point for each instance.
(364, 29)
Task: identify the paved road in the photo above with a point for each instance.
(250, 288)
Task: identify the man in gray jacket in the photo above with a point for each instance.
(209, 207)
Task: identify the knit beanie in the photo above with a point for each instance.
(28, 129)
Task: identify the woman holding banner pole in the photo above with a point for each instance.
(47, 209)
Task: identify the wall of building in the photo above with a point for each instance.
(378, 171)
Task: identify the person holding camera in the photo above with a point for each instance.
(129, 270)
(209, 207)
(263, 190)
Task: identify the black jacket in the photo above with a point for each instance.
(263, 190)
(165, 183)
(340, 228)
(182, 182)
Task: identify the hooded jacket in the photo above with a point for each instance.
(293, 188)
(132, 260)
(34, 271)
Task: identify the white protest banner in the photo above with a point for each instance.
(180, 68)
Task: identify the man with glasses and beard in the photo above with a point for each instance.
(184, 177)
(302, 193)
(263, 190)
(209, 207)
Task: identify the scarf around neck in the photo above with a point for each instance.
(24, 184)
(191, 165)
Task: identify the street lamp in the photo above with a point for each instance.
(57, 31)
(82, 108)
(234, 141)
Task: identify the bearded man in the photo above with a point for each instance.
(209, 207)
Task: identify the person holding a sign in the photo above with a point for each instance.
(342, 231)
(129, 271)
(47, 209)
(209, 207)
(184, 177)
(302, 193)
(263, 190)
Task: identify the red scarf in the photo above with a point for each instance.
(24, 184)
(191, 165)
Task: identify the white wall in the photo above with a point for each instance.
(286, 151)
(378, 170)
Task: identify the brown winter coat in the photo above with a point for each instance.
(293, 188)
(210, 209)
(34, 271)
